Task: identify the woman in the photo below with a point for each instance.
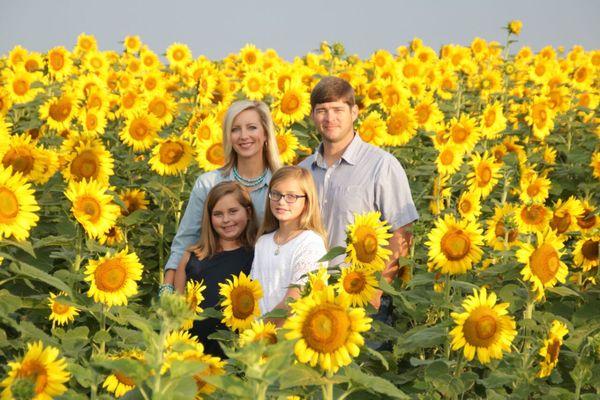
(251, 157)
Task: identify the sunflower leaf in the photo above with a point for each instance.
(374, 383)
(35, 273)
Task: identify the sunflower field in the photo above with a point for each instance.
(498, 298)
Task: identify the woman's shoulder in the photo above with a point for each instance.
(311, 238)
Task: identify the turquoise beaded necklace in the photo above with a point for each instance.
(249, 182)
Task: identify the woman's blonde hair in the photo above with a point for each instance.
(270, 152)
(208, 245)
(310, 219)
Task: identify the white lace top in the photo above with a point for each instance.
(276, 272)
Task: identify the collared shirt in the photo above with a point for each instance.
(366, 178)
(188, 232)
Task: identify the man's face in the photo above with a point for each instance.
(335, 121)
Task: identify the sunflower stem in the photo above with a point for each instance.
(447, 312)
(102, 328)
(77, 262)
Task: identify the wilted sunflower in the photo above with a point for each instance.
(171, 156)
(585, 253)
(502, 232)
(292, 105)
(119, 383)
(454, 245)
(87, 159)
(113, 278)
(484, 328)
(532, 218)
(240, 306)
(328, 329)
(551, 348)
(193, 298)
(140, 131)
(287, 144)
(485, 174)
(358, 283)
(543, 266)
(92, 207)
(43, 368)
(367, 240)
(134, 199)
(61, 313)
(259, 331)
(17, 205)
(565, 215)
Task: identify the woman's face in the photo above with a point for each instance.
(248, 136)
(229, 218)
(281, 209)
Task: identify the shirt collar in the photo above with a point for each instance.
(350, 155)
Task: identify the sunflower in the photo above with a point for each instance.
(18, 85)
(428, 115)
(20, 153)
(179, 56)
(59, 62)
(449, 159)
(318, 280)
(540, 118)
(131, 103)
(112, 237)
(595, 164)
(93, 122)
(502, 232)
(367, 241)
(484, 327)
(254, 85)
(150, 60)
(551, 348)
(358, 283)
(152, 83)
(469, 205)
(16, 57)
(534, 188)
(113, 278)
(585, 253)
(96, 63)
(58, 112)
(210, 154)
(50, 163)
(287, 144)
(43, 368)
(193, 298)
(132, 44)
(259, 331)
(140, 131)
(464, 132)
(134, 199)
(292, 105)
(543, 266)
(5, 101)
(88, 160)
(61, 313)
(17, 205)
(485, 174)
(588, 219)
(328, 329)
(401, 125)
(372, 129)
(171, 156)
(393, 93)
(92, 207)
(33, 62)
(98, 100)
(182, 340)
(565, 215)
(240, 306)
(85, 43)
(214, 367)
(532, 218)
(493, 121)
(119, 383)
(163, 107)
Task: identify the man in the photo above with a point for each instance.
(355, 177)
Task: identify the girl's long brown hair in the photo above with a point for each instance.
(310, 219)
(208, 245)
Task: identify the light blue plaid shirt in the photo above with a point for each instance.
(188, 232)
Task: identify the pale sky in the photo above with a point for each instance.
(294, 27)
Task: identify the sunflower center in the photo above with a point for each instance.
(466, 206)
(57, 60)
(90, 207)
(290, 104)
(481, 327)
(367, 133)
(326, 328)
(490, 118)
(267, 337)
(36, 371)
(31, 65)
(253, 85)
(91, 122)
(373, 93)
(398, 124)
(203, 132)
(447, 157)
(544, 263)
(581, 74)
(553, 350)
(171, 152)
(139, 130)
(410, 70)
(158, 108)
(484, 174)
(590, 250)
(459, 134)
(60, 110)
(500, 232)
(354, 282)
(455, 245)
(124, 379)
(365, 244)
(215, 154)
(20, 159)
(9, 205)
(281, 144)
(561, 222)
(242, 302)
(533, 215)
(150, 83)
(85, 165)
(587, 220)
(533, 189)
(540, 70)
(129, 100)
(423, 112)
(59, 308)
(110, 276)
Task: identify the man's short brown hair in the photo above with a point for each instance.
(330, 89)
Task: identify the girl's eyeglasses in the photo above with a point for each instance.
(289, 198)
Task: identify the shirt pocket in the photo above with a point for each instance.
(349, 199)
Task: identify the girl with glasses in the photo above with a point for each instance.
(292, 238)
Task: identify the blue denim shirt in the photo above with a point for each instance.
(188, 232)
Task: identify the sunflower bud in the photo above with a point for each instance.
(23, 389)
(514, 27)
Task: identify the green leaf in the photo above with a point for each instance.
(23, 245)
(563, 291)
(374, 383)
(35, 273)
(378, 356)
(102, 335)
(498, 379)
(333, 253)
(301, 375)
(8, 302)
(420, 337)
